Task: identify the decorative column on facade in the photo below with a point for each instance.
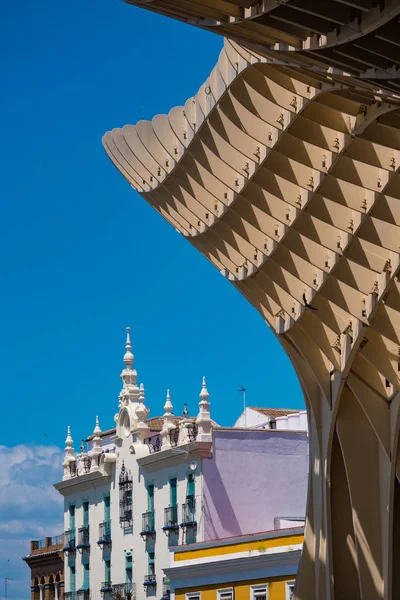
(142, 412)
(203, 421)
(168, 425)
(96, 450)
(41, 587)
(69, 456)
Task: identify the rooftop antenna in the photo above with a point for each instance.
(243, 390)
(6, 579)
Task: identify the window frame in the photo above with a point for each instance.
(259, 587)
(227, 590)
(193, 596)
(287, 588)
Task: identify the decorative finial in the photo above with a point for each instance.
(83, 446)
(168, 406)
(141, 393)
(128, 357)
(204, 392)
(69, 441)
(185, 410)
(97, 429)
(203, 420)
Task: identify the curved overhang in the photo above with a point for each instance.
(287, 180)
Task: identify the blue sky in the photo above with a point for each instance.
(83, 255)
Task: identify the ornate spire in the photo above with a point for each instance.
(69, 456)
(96, 450)
(128, 357)
(130, 391)
(203, 421)
(168, 425)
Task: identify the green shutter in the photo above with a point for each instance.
(190, 486)
(128, 568)
(72, 579)
(86, 584)
(72, 517)
(107, 570)
(151, 563)
(85, 514)
(107, 509)
(172, 489)
(150, 497)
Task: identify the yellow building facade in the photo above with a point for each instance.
(262, 566)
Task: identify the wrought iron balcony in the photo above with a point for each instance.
(83, 595)
(174, 436)
(154, 443)
(170, 518)
(83, 538)
(189, 512)
(69, 540)
(104, 533)
(148, 523)
(150, 579)
(166, 589)
(106, 586)
(124, 591)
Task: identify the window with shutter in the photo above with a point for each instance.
(259, 592)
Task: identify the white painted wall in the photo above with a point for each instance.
(253, 419)
(129, 540)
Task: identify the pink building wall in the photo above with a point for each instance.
(253, 478)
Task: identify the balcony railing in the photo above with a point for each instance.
(124, 591)
(166, 589)
(170, 517)
(174, 436)
(69, 540)
(83, 595)
(83, 538)
(189, 512)
(153, 443)
(105, 533)
(148, 523)
(150, 579)
(106, 586)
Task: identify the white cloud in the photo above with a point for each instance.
(30, 508)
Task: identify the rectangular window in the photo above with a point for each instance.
(150, 497)
(259, 592)
(85, 506)
(190, 486)
(86, 584)
(72, 579)
(225, 594)
(106, 509)
(172, 492)
(152, 568)
(289, 590)
(193, 596)
(107, 570)
(128, 569)
(72, 517)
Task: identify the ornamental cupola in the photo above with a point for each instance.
(130, 390)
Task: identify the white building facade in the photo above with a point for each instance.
(131, 496)
(153, 483)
